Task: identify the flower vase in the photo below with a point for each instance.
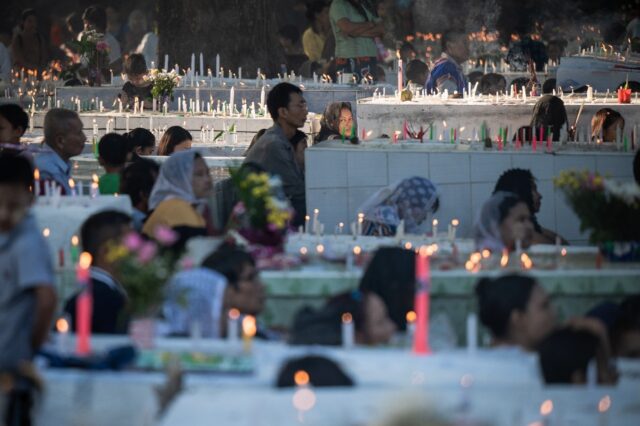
(621, 251)
(142, 332)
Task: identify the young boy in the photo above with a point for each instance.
(112, 156)
(109, 298)
(136, 181)
(27, 294)
(14, 121)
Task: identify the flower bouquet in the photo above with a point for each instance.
(163, 83)
(263, 212)
(94, 55)
(608, 209)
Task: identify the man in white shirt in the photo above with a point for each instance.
(95, 18)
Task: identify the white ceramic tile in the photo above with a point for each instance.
(567, 223)
(449, 168)
(617, 166)
(356, 197)
(455, 202)
(489, 167)
(573, 162)
(325, 168)
(540, 165)
(367, 168)
(332, 204)
(405, 165)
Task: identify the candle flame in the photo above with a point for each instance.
(425, 251)
(526, 261)
(357, 250)
(249, 326)
(408, 245)
(62, 325)
(94, 178)
(316, 211)
(303, 251)
(486, 254)
(36, 174)
(563, 252)
(475, 257)
(504, 260)
(469, 265)
(341, 225)
(234, 314)
(455, 222)
(546, 407)
(85, 260)
(347, 318)
(411, 317)
(444, 123)
(46, 232)
(320, 248)
(604, 404)
(72, 184)
(74, 241)
(435, 222)
(301, 378)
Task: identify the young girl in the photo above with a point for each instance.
(137, 87)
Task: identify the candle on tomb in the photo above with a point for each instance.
(233, 325)
(84, 305)
(36, 182)
(472, 333)
(453, 228)
(72, 187)
(218, 66)
(62, 338)
(423, 284)
(201, 64)
(307, 228)
(249, 330)
(360, 223)
(347, 331)
(74, 253)
(315, 225)
(166, 62)
(411, 326)
(434, 228)
(400, 73)
(93, 190)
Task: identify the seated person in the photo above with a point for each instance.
(322, 372)
(337, 123)
(299, 143)
(95, 18)
(137, 86)
(516, 309)
(447, 73)
(324, 326)
(474, 77)
(391, 275)
(136, 181)
(504, 220)
(417, 72)
(410, 202)
(179, 197)
(109, 297)
(174, 139)
(492, 84)
(605, 124)
(112, 155)
(549, 114)
(254, 139)
(14, 121)
(228, 279)
(274, 150)
(64, 139)
(625, 333)
(140, 143)
(522, 183)
(27, 294)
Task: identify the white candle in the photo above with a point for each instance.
(126, 120)
(218, 66)
(434, 228)
(201, 64)
(348, 330)
(472, 333)
(360, 223)
(307, 228)
(233, 325)
(166, 62)
(239, 73)
(192, 69)
(231, 100)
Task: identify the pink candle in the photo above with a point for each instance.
(405, 131)
(423, 284)
(534, 142)
(84, 306)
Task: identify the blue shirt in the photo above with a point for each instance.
(446, 74)
(53, 167)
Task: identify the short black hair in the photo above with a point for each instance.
(138, 178)
(519, 182)
(15, 170)
(140, 137)
(565, 352)
(172, 137)
(322, 372)
(549, 111)
(100, 228)
(15, 115)
(314, 8)
(491, 83)
(416, 69)
(74, 21)
(26, 13)
(451, 36)
(548, 86)
(97, 16)
(499, 297)
(112, 148)
(279, 97)
(135, 64)
(228, 260)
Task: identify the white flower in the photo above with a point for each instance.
(629, 192)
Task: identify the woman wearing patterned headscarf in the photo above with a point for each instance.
(337, 123)
(409, 201)
(504, 220)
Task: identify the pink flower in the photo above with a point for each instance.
(132, 241)
(165, 236)
(102, 46)
(187, 263)
(146, 252)
(239, 209)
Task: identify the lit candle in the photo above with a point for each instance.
(453, 228)
(248, 332)
(36, 182)
(603, 410)
(360, 223)
(411, 326)
(233, 325)
(400, 74)
(315, 224)
(526, 261)
(348, 331)
(434, 228)
(84, 305)
(423, 284)
(94, 189)
(73, 251)
(62, 338)
(340, 228)
(504, 260)
(72, 186)
(546, 408)
(307, 228)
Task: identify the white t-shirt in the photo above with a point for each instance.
(149, 48)
(114, 53)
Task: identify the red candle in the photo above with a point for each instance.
(84, 306)
(405, 131)
(534, 142)
(423, 284)
(549, 142)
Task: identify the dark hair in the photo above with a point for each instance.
(490, 83)
(322, 372)
(15, 170)
(449, 37)
(636, 167)
(101, 228)
(406, 46)
(416, 69)
(549, 111)
(499, 297)
(255, 139)
(519, 182)
(135, 64)
(391, 275)
(279, 97)
(137, 179)
(314, 9)
(228, 260)
(140, 137)
(565, 352)
(628, 320)
(97, 16)
(548, 86)
(603, 119)
(26, 13)
(475, 76)
(290, 32)
(15, 115)
(56, 121)
(507, 204)
(74, 21)
(113, 149)
(172, 137)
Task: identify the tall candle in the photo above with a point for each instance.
(348, 330)
(192, 69)
(201, 64)
(400, 76)
(36, 182)
(423, 284)
(73, 251)
(166, 62)
(84, 305)
(434, 228)
(231, 100)
(233, 325)
(218, 66)
(249, 329)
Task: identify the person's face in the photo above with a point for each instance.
(536, 196)
(628, 345)
(183, 146)
(345, 122)
(201, 182)
(8, 133)
(147, 150)
(536, 322)
(15, 201)
(323, 19)
(517, 226)
(458, 49)
(250, 295)
(87, 25)
(378, 328)
(298, 153)
(610, 133)
(296, 112)
(71, 143)
(30, 25)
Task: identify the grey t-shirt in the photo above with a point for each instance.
(25, 263)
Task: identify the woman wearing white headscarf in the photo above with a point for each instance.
(504, 219)
(409, 201)
(179, 197)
